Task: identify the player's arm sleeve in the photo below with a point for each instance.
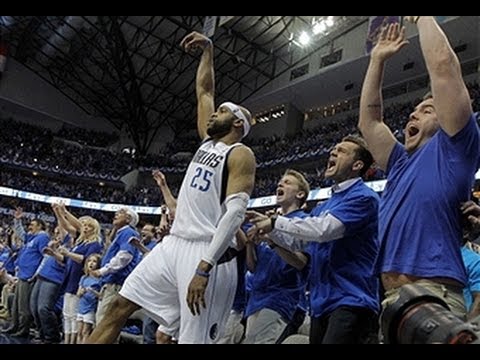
(236, 205)
(241, 178)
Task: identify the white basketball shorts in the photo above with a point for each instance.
(160, 282)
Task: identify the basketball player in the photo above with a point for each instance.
(186, 277)
(419, 225)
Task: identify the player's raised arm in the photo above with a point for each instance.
(205, 81)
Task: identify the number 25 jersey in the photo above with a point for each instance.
(200, 200)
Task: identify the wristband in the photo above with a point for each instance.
(202, 273)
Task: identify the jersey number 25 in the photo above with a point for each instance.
(200, 182)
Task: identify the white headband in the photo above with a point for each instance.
(240, 115)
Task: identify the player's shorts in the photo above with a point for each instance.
(160, 282)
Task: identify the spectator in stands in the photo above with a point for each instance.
(431, 174)
(342, 236)
(119, 260)
(88, 242)
(46, 290)
(34, 241)
(145, 246)
(148, 241)
(276, 285)
(88, 293)
(170, 200)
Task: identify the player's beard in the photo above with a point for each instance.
(218, 130)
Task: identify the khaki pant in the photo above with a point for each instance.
(451, 295)
(264, 327)
(234, 329)
(108, 293)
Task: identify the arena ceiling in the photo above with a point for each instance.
(132, 71)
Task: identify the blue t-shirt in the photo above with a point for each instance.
(419, 219)
(9, 264)
(32, 254)
(472, 263)
(52, 270)
(88, 301)
(74, 270)
(276, 285)
(12, 261)
(342, 270)
(4, 255)
(121, 243)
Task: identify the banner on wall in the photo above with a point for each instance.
(376, 23)
(266, 201)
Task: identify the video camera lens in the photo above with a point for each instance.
(420, 317)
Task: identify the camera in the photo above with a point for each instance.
(420, 317)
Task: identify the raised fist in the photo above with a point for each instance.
(195, 40)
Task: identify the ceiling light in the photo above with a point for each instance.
(304, 38)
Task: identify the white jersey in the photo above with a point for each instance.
(200, 200)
